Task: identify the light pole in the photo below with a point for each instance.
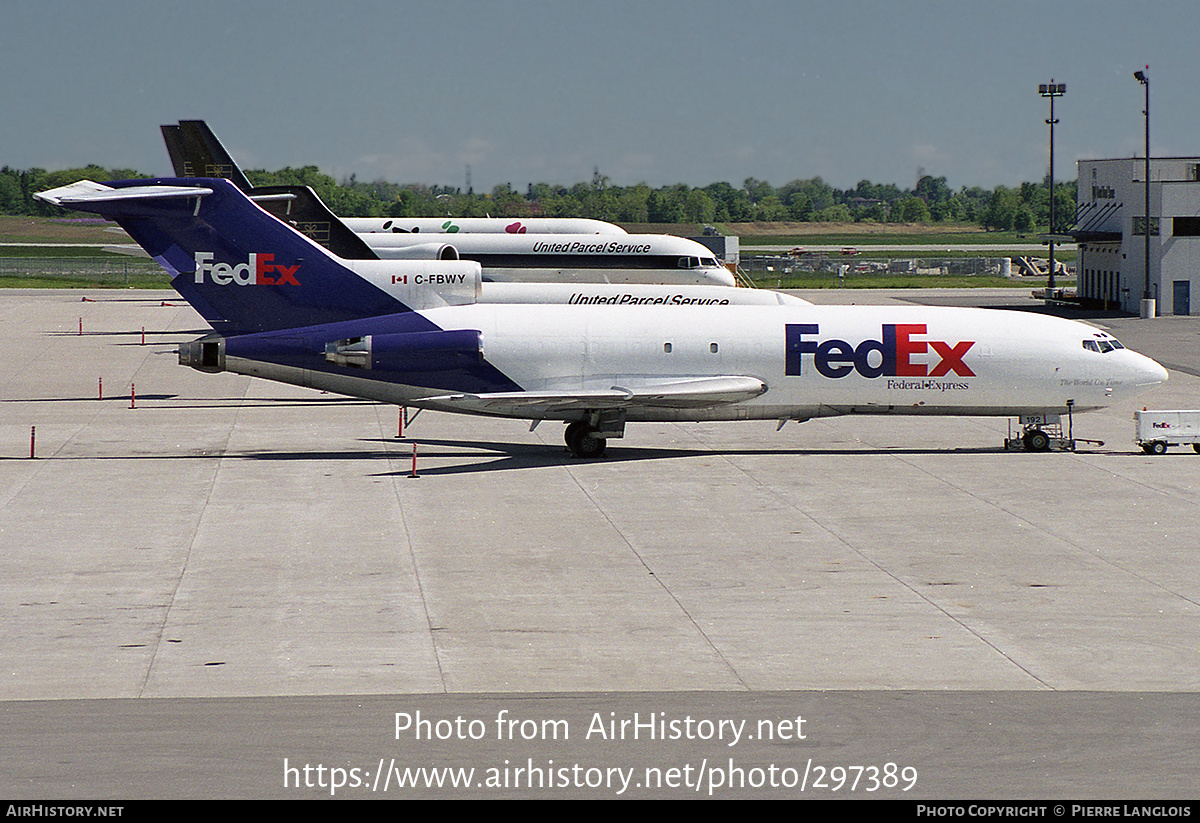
(1051, 90)
(1148, 307)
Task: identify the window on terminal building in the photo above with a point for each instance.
(1139, 226)
(1185, 226)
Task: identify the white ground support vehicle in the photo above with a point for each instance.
(1158, 429)
(1044, 432)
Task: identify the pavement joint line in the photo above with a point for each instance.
(398, 477)
(1070, 541)
(218, 463)
(565, 462)
(853, 547)
(1049, 531)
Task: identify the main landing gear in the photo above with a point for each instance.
(588, 437)
(584, 441)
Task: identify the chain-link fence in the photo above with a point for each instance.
(838, 270)
(105, 271)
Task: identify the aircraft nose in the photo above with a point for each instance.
(1147, 372)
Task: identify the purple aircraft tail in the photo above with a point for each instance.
(241, 268)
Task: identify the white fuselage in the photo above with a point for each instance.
(427, 284)
(813, 360)
(579, 258)
(1018, 364)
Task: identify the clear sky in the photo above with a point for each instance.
(655, 91)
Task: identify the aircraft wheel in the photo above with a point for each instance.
(572, 432)
(583, 442)
(1036, 440)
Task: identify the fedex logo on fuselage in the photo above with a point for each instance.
(890, 356)
(260, 270)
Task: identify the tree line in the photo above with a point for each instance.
(1023, 208)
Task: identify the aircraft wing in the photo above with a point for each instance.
(696, 392)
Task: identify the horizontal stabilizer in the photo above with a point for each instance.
(130, 250)
(85, 191)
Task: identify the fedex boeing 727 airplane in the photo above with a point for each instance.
(417, 333)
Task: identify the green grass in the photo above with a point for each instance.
(52, 252)
(51, 282)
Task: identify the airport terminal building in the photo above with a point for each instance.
(1110, 231)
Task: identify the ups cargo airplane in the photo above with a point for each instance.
(508, 250)
(558, 258)
(481, 225)
(415, 333)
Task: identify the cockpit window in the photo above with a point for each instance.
(1102, 346)
(698, 263)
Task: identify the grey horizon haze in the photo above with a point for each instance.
(657, 91)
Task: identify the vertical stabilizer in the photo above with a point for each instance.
(196, 152)
(240, 267)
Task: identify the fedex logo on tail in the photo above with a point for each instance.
(890, 356)
(260, 270)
